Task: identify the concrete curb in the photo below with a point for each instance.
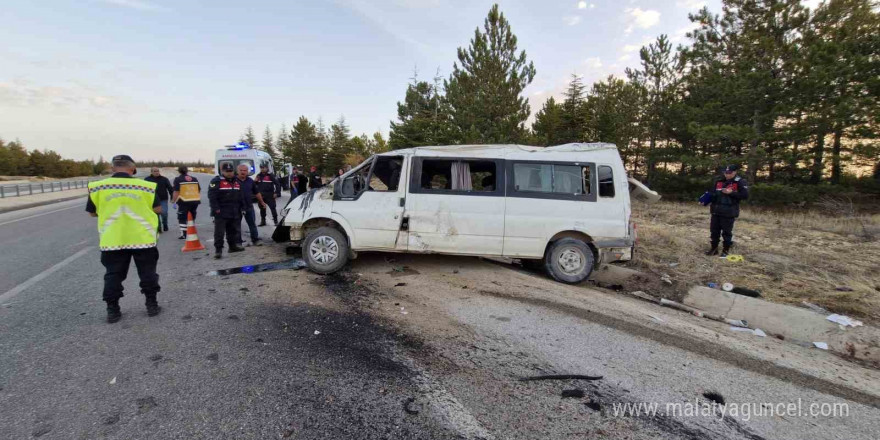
(41, 203)
(794, 323)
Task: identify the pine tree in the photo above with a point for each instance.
(249, 137)
(268, 145)
(305, 145)
(340, 145)
(423, 118)
(484, 92)
(658, 77)
(573, 119)
(547, 127)
(282, 145)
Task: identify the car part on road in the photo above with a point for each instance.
(295, 264)
(410, 407)
(569, 260)
(576, 393)
(559, 377)
(325, 250)
(714, 397)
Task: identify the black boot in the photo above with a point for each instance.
(114, 314)
(218, 254)
(262, 222)
(165, 227)
(153, 308)
(275, 220)
(235, 248)
(713, 250)
(725, 250)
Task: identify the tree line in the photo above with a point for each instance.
(788, 92)
(15, 160)
(308, 144)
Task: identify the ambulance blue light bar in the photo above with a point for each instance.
(239, 146)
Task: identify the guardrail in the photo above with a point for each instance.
(26, 189)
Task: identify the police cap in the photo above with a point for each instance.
(227, 167)
(731, 168)
(122, 158)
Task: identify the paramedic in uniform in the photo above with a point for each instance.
(227, 204)
(186, 197)
(270, 189)
(126, 209)
(726, 193)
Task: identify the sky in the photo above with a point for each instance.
(178, 79)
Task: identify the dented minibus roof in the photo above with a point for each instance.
(565, 152)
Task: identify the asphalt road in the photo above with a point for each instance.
(396, 347)
(219, 362)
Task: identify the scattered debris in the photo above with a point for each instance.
(714, 396)
(410, 406)
(680, 306)
(712, 285)
(559, 377)
(822, 345)
(245, 289)
(673, 264)
(295, 264)
(843, 289)
(735, 258)
(656, 318)
(317, 332)
(576, 393)
(759, 332)
(594, 405)
(814, 307)
(399, 284)
(113, 381)
(644, 296)
(845, 321)
(756, 332)
(666, 279)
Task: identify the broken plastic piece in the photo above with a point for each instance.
(845, 321)
(822, 345)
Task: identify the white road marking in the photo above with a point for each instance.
(38, 215)
(42, 275)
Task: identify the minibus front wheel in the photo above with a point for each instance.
(569, 260)
(325, 250)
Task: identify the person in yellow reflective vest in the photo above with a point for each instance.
(126, 209)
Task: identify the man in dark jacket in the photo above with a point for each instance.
(227, 204)
(315, 180)
(726, 194)
(250, 193)
(301, 181)
(270, 189)
(163, 192)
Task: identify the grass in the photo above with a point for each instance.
(790, 256)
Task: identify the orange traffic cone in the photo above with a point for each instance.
(192, 239)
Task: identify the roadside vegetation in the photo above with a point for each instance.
(828, 256)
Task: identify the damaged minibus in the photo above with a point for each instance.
(566, 207)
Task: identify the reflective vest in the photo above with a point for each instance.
(126, 219)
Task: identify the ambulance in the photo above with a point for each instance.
(242, 153)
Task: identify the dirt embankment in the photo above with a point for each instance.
(831, 258)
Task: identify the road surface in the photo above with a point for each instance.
(396, 347)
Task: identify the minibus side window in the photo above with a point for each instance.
(552, 178)
(606, 181)
(386, 173)
(459, 175)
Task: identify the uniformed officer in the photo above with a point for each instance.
(270, 189)
(726, 193)
(126, 209)
(227, 204)
(315, 180)
(186, 197)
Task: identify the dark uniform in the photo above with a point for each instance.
(163, 192)
(270, 188)
(249, 192)
(227, 204)
(315, 180)
(725, 209)
(185, 207)
(301, 181)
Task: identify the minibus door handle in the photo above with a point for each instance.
(402, 202)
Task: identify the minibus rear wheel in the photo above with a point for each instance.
(325, 250)
(569, 260)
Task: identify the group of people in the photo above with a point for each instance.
(300, 183)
